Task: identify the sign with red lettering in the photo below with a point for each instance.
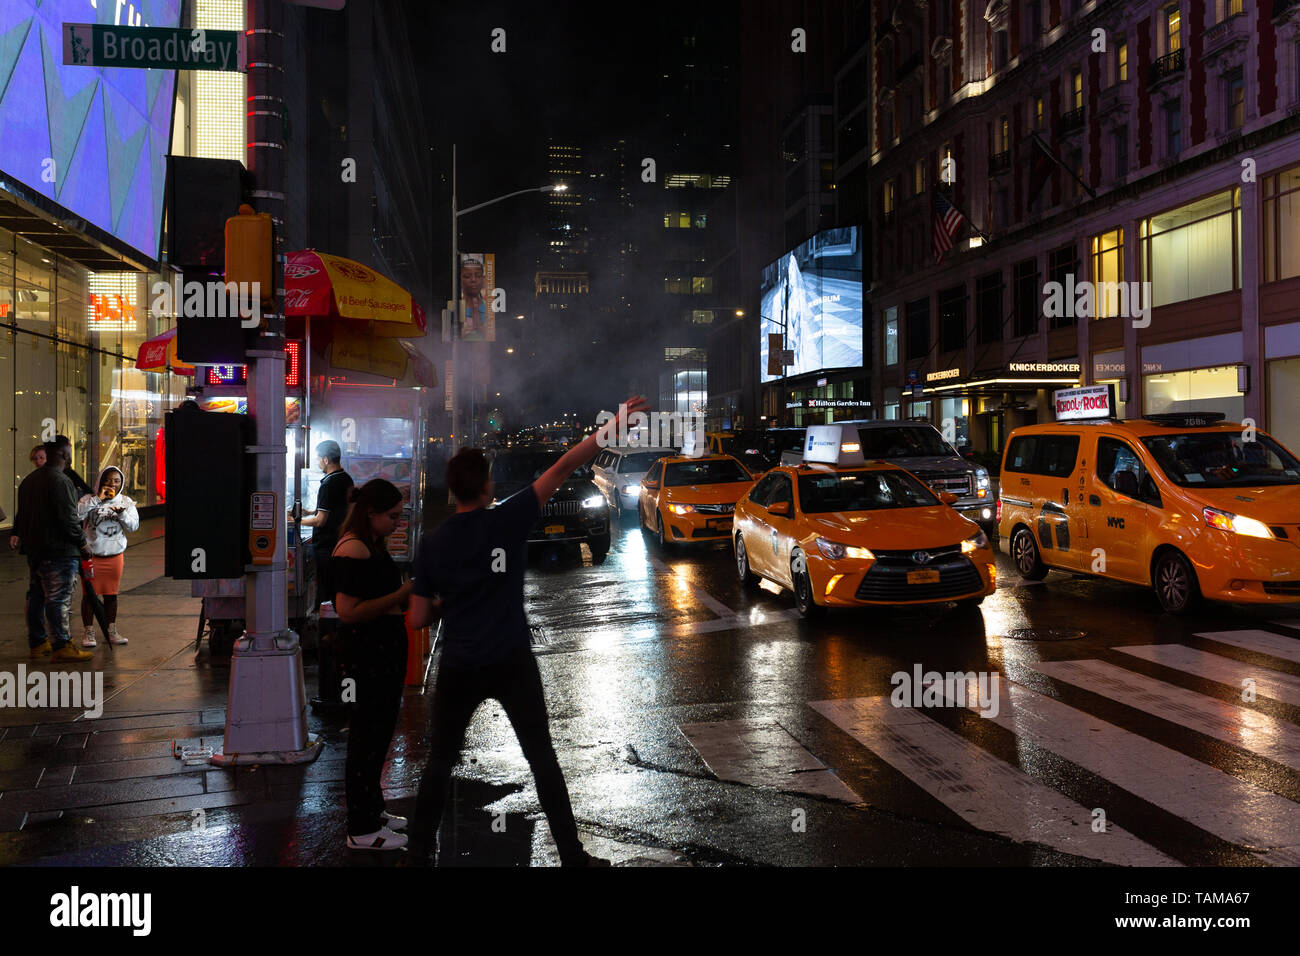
(1090, 401)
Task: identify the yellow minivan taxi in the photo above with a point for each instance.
(840, 531)
(1187, 504)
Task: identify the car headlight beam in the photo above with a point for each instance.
(681, 509)
(595, 501)
(974, 543)
(836, 551)
(1227, 521)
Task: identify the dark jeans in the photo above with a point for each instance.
(35, 606)
(457, 692)
(374, 655)
(321, 558)
(57, 576)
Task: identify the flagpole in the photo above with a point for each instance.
(1051, 154)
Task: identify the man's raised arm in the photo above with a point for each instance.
(585, 450)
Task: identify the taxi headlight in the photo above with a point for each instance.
(595, 501)
(835, 551)
(981, 478)
(1227, 521)
(974, 543)
(681, 509)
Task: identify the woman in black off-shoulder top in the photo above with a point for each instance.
(370, 597)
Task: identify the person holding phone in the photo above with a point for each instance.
(370, 597)
(106, 518)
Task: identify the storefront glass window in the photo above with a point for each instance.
(891, 335)
(1282, 225)
(957, 409)
(1283, 400)
(892, 396)
(1199, 390)
(1194, 250)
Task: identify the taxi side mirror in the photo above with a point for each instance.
(947, 497)
(779, 508)
(652, 485)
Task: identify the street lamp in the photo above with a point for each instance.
(455, 289)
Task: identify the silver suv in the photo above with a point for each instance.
(919, 447)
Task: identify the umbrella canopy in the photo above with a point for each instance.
(320, 285)
(159, 352)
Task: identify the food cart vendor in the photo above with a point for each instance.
(331, 509)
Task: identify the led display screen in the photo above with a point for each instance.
(812, 298)
(92, 139)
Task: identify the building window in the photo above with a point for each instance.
(1001, 48)
(677, 220)
(1282, 225)
(1002, 134)
(1227, 8)
(701, 285)
(947, 169)
(1235, 99)
(1121, 62)
(1038, 112)
(1076, 89)
(918, 176)
(918, 329)
(988, 307)
(891, 335)
(887, 200)
(1107, 254)
(1173, 29)
(1025, 293)
(952, 319)
(1173, 129)
(1194, 250)
(1035, 9)
(1002, 209)
(677, 285)
(701, 316)
(1121, 152)
(1063, 262)
(1076, 167)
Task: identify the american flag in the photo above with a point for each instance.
(947, 220)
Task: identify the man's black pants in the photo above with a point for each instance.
(374, 655)
(457, 692)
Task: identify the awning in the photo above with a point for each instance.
(384, 357)
(159, 352)
(319, 285)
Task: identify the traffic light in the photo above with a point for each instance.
(250, 252)
(207, 493)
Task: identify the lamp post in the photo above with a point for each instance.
(456, 213)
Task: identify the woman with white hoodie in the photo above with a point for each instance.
(107, 517)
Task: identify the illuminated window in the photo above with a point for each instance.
(1107, 254)
(1194, 250)
(888, 200)
(701, 285)
(1173, 29)
(1076, 89)
(1038, 112)
(1121, 62)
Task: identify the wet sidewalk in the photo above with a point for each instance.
(76, 790)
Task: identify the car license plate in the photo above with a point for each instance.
(554, 529)
(718, 524)
(922, 577)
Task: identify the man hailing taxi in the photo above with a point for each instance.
(471, 570)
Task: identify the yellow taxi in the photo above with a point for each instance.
(1185, 503)
(840, 531)
(687, 499)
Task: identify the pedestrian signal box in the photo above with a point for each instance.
(207, 493)
(250, 251)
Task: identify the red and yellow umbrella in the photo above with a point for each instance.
(319, 285)
(159, 353)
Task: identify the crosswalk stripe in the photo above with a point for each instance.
(985, 791)
(1263, 642)
(1223, 670)
(1250, 730)
(1216, 802)
(761, 753)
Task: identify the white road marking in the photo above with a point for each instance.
(1262, 642)
(1223, 670)
(701, 595)
(1248, 729)
(761, 753)
(985, 791)
(1216, 802)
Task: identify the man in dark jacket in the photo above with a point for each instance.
(53, 540)
(78, 483)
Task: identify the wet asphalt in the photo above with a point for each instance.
(650, 642)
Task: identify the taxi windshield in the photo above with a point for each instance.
(639, 461)
(713, 471)
(903, 441)
(862, 491)
(1223, 460)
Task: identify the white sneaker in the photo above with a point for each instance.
(88, 640)
(113, 636)
(381, 839)
(393, 821)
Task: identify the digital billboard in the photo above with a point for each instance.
(92, 139)
(812, 300)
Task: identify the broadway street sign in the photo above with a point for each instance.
(152, 48)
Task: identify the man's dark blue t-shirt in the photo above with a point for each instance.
(475, 562)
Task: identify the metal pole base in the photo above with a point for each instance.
(266, 718)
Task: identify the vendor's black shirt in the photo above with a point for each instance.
(332, 496)
(475, 562)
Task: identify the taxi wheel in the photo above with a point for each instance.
(1024, 551)
(661, 534)
(748, 579)
(803, 594)
(1175, 583)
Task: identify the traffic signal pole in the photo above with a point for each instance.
(266, 717)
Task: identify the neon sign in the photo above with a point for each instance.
(238, 374)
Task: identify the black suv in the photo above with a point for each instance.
(577, 512)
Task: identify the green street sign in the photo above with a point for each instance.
(152, 48)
